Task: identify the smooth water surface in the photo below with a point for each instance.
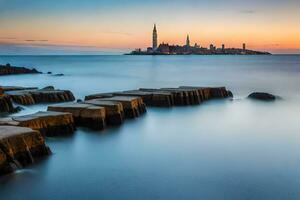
(222, 149)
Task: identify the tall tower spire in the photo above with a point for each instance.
(187, 40)
(154, 38)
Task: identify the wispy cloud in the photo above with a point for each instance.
(118, 33)
(36, 40)
(248, 11)
(8, 38)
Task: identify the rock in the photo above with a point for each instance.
(114, 110)
(10, 70)
(153, 98)
(45, 95)
(49, 72)
(79, 101)
(84, 114)
(19, 147)
(262, 96)
(47, 123)
(48, 88)
(13, 88)
(58, 75)
(133, 106)
(6, 105)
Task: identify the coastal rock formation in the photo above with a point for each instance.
(9, 70)
(6, 105)
(47, 123)
(19, 147)
(114, 110)
(86, 115)
(46, 95)
(262, 96)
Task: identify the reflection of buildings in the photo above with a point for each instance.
(166, 49)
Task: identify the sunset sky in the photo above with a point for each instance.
(114, 26)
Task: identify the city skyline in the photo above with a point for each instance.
(112, 26)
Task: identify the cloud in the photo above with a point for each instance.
(118, 33)
(8, 38)
(248, 11)
(36, 40)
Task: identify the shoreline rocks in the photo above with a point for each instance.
(13, 70)
(262, 96)
(48, 123)
(20, 147)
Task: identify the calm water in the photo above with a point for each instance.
(222, 149)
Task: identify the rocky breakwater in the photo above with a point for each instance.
(46, 95)
(133, 105)
(10, 70)
(20, 146)
(86, 115)
(47, 123)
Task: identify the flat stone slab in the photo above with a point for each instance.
(114, 110)
(133, 106)
(86, 115)
(150, 98)
(48, 123)
(13, 88)
(20, 146)
(29, 97)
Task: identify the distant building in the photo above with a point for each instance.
(187, 41)
(154, 38)
(244, 46)
(187, 49)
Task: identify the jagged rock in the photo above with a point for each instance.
(49, 72)
(114, 110)
(48, 123)
(84, 114)
(262, 96)
(9, 70)
(19, 147)
(133, 106)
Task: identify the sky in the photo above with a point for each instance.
(118, 26)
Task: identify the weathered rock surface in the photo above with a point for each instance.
(48, 123)
(262, 96)
(6, 104)
(46, 95)
(133, 106)
(13, 88)
(86, 115)
(10, 70)
(114, 110)
(150, 98)
(20, 146)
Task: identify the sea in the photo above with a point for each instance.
(228, 149)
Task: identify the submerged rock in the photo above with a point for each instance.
(19, 147)
(262, 96)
